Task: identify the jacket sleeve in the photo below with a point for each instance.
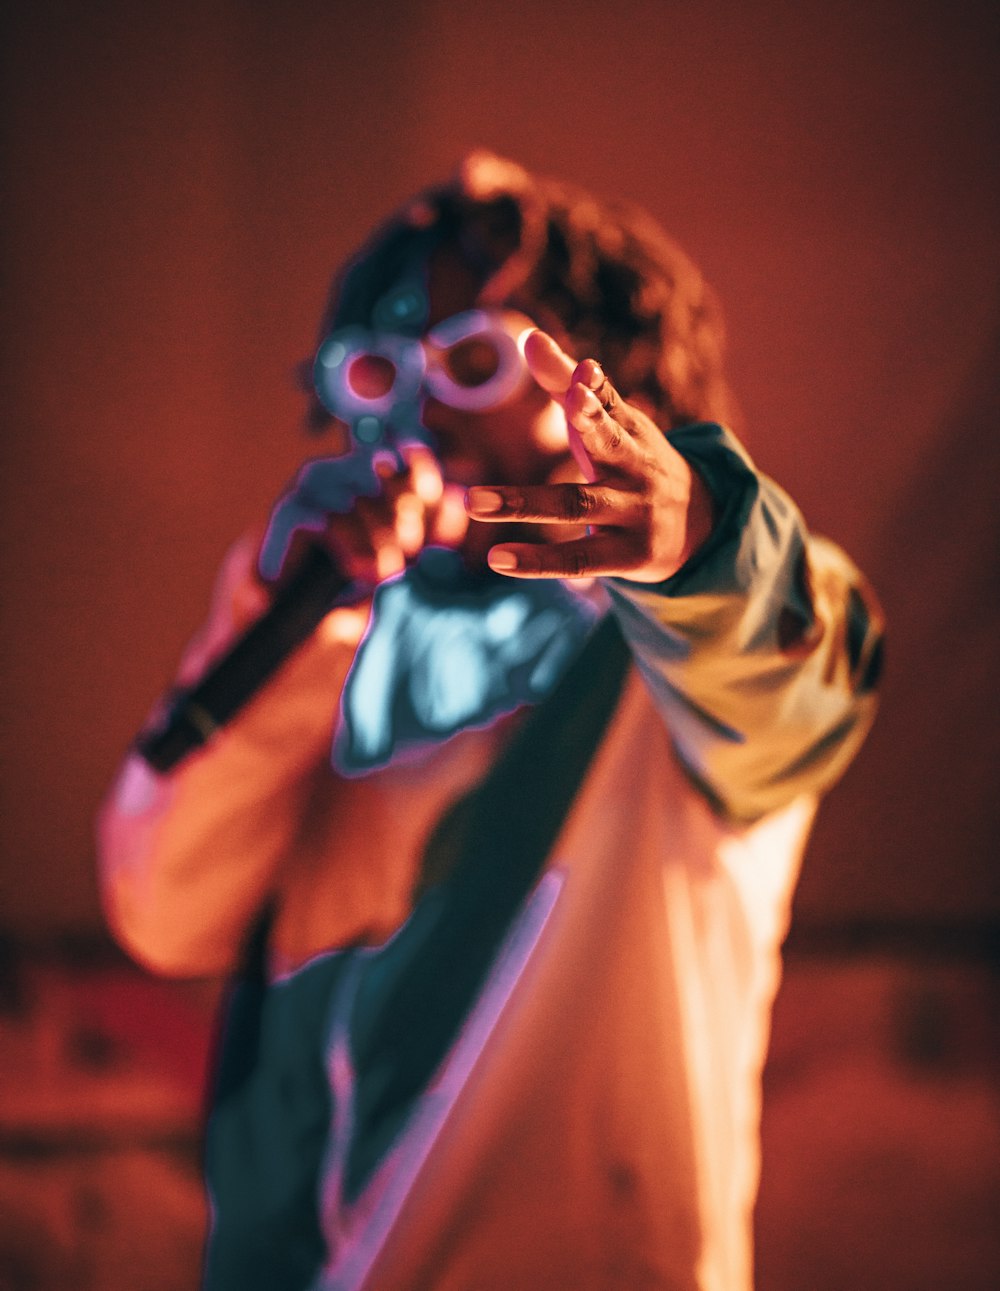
(187, 859)
(763, 651)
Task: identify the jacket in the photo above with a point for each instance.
(595, 1123)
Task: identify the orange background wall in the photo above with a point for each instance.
(180, 180)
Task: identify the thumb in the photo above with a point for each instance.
(553, 369)
(550, 365)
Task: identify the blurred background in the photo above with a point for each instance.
(180, 180)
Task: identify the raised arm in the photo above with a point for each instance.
(759, 643)
(763, 650)
(187, 858)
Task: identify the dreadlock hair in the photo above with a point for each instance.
(602, 277)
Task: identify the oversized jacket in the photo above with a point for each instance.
(595, 1123)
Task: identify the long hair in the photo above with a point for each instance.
(602, 277)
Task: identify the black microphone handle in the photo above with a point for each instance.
(194, 715)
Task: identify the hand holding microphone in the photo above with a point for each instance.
(349, 522)
(372, 514)
(325, 545)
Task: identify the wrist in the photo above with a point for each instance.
(700, 517)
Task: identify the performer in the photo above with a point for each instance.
(528, 807)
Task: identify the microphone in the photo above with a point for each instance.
(193, 715)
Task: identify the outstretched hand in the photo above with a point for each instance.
(645, 511)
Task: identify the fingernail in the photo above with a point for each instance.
(596, 377)
(502, 561)
(590, 404)
(486, 501)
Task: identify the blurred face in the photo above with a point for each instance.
(462, 385)
(521, 439)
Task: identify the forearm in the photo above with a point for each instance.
(761, 652)
(186, 859)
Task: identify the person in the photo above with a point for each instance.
(536, 379)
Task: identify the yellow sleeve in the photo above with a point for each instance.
(762, 653)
